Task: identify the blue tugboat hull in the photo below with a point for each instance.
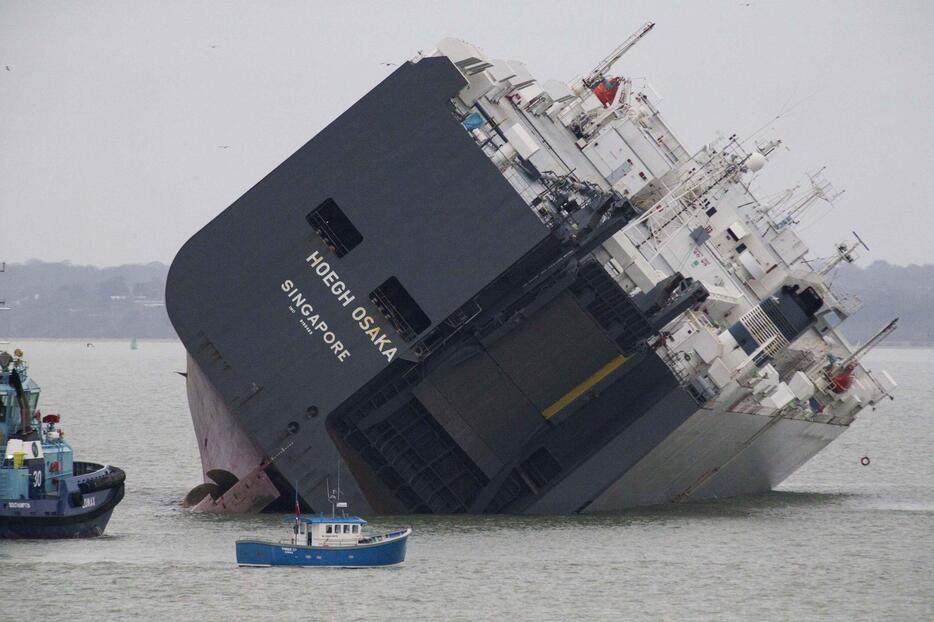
(81, 514)
(85, 526)
(262, 553)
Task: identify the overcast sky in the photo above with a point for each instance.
(112, 114)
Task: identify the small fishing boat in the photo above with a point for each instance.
(326, 541)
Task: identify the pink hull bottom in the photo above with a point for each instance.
(234, 469)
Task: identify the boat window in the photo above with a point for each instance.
(3, 404)
(346, 528)
(327, 529)
(334, 227)
(356, 528)
(33, 399)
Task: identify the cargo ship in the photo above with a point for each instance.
(478, 292)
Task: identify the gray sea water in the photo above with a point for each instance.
(839, 541)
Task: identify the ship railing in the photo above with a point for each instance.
(684, 375)
(490, 143)
(520, 185)
(750, 405)
(846, 302)
(684, 372)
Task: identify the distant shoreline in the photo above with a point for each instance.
(60, 301)
(894, 345)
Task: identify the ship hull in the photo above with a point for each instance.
(674, 452)
(234, 468)
(425, 331)
(715, 455)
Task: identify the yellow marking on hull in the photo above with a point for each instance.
(583, 387)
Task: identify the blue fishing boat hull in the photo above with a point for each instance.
(263, 553)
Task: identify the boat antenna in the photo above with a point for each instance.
(332, 497)
(336, 503)
(298, 508)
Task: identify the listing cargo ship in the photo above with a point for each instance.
(481, 293)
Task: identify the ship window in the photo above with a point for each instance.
(334, 228)
(328, 529)
(356, 528)
(740, 248)
(3, 406)
(711, 211)
(398, 306)
(346, 528)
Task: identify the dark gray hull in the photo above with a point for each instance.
(705, 456)
(83, 513)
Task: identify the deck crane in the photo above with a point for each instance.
(598, 74)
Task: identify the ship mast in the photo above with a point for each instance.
(845, 252)
(820, 190)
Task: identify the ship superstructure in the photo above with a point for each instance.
(485, 293)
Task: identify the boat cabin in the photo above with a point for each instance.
(31, 465)
(327, 530)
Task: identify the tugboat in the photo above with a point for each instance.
(327, 541)
(44, 491)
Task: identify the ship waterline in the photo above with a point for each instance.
(505, 295)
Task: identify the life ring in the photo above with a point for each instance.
(864, 461)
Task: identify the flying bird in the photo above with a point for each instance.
(388, 64)
(8, 68)
(223, 146)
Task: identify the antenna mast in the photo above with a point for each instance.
(599, 72)
(820, 190)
